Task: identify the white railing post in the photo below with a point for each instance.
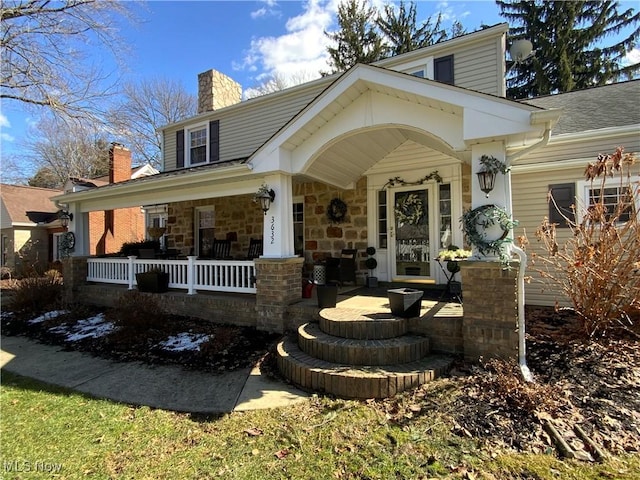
(191, 275)
(131, 271)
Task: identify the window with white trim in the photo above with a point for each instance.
(197, 152)
(610, 197)
(56, 246)
(298, 227)
(205, 223)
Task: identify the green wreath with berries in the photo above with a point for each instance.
(485, 217)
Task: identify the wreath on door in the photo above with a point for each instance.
(409, 209)
(336, 211)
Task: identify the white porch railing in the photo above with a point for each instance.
(190, 274)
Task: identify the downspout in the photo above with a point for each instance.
(522, 352)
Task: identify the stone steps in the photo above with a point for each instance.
(389, 351)
(359, 325)
(351, 381)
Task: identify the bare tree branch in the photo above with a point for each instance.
(45, 48)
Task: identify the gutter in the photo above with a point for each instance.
(549, 118)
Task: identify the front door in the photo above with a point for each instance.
(410, 247)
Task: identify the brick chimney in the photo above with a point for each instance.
(119, 163)
(216, 90)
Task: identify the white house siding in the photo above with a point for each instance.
(245, 127)
(478, 67)
(530, 184)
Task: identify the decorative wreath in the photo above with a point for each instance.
(67, 244)
(486, 216)
(336, 211)
(409, 209)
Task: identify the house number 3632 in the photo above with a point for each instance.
(273, 230)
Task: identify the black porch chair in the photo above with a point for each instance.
(221, 249)
(255, 248)
(342, 269)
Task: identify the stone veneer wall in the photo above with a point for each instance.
(237, 214)
(323, 239)
(490, 326)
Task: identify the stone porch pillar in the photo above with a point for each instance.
(74, 273)
(490, 324)
(278, 284)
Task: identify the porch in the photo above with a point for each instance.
(440, 319)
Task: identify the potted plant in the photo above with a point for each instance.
(405, 302)
(327, 295)
(154, 280)
(371, 264)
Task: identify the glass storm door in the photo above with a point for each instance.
(410, 242)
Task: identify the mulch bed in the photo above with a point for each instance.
(592, 384)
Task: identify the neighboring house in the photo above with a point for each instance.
(31, 241)
(398, 142)
(24, 244)
(109, 229)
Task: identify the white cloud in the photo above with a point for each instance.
(4, 124)
(301, 50)
(270, 9)
(632, 57)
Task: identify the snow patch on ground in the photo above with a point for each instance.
(48, 316)
(184, 341)
(92, 327)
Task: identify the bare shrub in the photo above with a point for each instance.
(598, 267)
(37, 294)
(137, 316)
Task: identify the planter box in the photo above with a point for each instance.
(327, 296)
(372, 282)
(405, 302)
(153, 282)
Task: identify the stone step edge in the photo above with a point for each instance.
(318, 344)
(349, 323)
(352, 382)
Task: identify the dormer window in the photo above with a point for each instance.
(198, 144)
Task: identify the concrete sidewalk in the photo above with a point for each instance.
(158, 386)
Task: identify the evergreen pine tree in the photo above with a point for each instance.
(356, 41)
(402, 32)
(568, 39)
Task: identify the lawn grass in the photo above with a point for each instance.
(320, 438)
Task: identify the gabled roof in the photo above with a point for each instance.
(614, 105)
(18, 199)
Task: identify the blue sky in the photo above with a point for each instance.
(246, 40)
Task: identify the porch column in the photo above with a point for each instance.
(80, 228)
(501, 193)
(490, 319)
(278, 222)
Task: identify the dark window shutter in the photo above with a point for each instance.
(564, 195)
(214, 141)
(180, 149)
(443, 69)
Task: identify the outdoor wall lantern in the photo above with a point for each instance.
(65, 217)
(265, 196)
(487, 179)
